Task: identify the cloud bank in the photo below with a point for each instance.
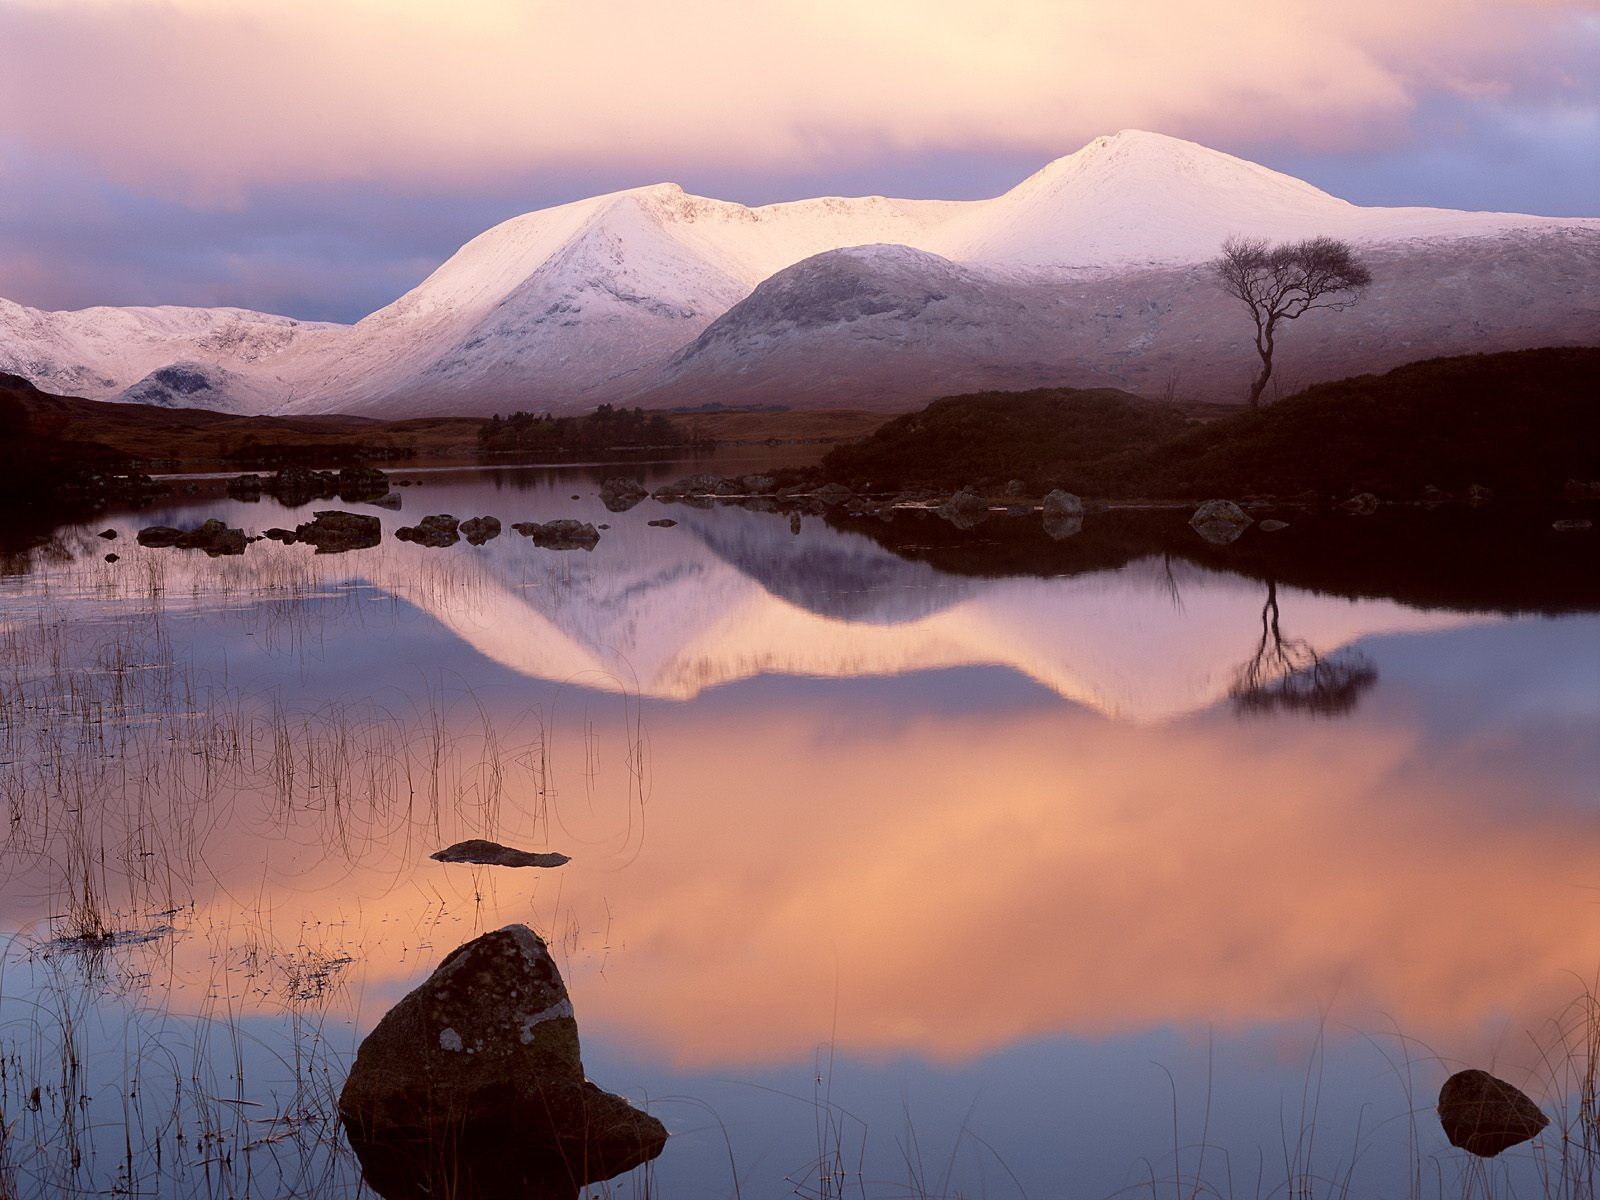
(120, 120)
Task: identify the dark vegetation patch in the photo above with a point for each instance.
(1521, 423)
(607, 428)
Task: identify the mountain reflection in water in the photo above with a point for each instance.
(817, 788)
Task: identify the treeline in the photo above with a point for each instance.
(607, 428)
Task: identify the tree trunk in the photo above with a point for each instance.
(1263, 348)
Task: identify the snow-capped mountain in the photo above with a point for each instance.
(1087, 271)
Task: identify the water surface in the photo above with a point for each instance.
(901, 865)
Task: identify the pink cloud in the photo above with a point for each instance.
(205, 99)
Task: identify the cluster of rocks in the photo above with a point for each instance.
(294, 486)
(473, 1086)
(562, 534)
(442, 529)
(216, 538)
(333, 531)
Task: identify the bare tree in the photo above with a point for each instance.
(1283, 283)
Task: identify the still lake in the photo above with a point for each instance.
(902, 864)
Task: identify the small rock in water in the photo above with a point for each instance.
(113, 557)
(215, 537)
(473, 1086)
(965, 510)
(480, 530)
(619, 494)
(436, 531)
(1484, 1115)
(1220, 521)
(1062, 504)
(1363, 504)
(563, 534)
(833, 494)
(392, 500)
(110, 535)
(493, 854)
(287, 536)
(1272, 525)
(662, 523)
(334, 531)
(1572, 525)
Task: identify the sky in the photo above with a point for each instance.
(319, 157)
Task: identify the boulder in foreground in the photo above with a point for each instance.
(1484, 1115)
(473, 1086)
(493, 854)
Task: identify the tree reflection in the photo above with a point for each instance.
(1290, 675)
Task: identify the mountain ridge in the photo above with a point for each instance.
(599, 299)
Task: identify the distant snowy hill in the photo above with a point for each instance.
(1088, 271)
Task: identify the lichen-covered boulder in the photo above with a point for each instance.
(472, 1086)
(1484, 1115)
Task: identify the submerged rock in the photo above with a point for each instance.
(1220, 521)
(1484, 1115)
(473, 1086)
(1272, 525)
(662, 523)
(619, 494)
(392, 500)
(1572, 525)
(436, 531)
(493, 854)
(334, 531)
(563, 534)
(1061, 526)
(479, 530)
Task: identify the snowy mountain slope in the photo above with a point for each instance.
(908, 333)
(615, 297)
(97, 352)
(1141, 199)
(200, 385)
